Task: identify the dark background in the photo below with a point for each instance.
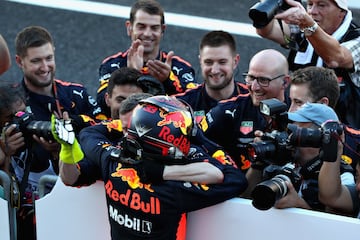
(83, 40)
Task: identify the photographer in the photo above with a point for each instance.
(17, 153)
(308, 160)
(318, 84)
(327, 37)
(143, 157)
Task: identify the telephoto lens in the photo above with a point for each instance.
(266, 193)
(263, 12)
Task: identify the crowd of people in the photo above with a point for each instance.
(158, 137)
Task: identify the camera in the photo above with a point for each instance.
(273, 149)
(276, 147)
(266, 193)
(28, 126)
(263, 12)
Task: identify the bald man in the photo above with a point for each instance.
(239, 117)
(4, 56)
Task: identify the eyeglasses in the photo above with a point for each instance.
(262, 81)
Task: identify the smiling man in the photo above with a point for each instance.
(146, 28)
(218, 61)
(238, 117)
(45, 95)
(328, 38)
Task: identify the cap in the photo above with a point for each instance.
(342, 4)
(313, 112)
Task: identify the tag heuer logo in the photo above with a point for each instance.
(246, 127)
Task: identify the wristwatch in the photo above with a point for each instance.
(308, 31)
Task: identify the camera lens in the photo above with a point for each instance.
(263, 12)
(263, 150)
(266, 193)
(41, 129)
(304, 137)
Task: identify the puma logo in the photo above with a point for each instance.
(117, 65)
(232, 113)
(177, 70)
(78, 93)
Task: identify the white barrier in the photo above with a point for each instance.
(73, 213)
(238, 219)
(81, 213)
(4, 220)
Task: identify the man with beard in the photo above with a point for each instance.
(238, 117)
(45, 96)
(218, 61)
(146, 27)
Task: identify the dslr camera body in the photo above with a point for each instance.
(26, 124)
(263, 12)
(276, 148)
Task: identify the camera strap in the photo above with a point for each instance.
(23, 183)
(311, 169)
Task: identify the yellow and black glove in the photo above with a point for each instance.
(63, 133)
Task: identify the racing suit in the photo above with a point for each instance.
(201, 102)
(182, 75)
(230, 123)
(149, 211)
(70, 97)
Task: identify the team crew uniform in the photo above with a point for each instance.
(69, 97)
(182, 75)
(148, 211)
(32, 162)
(201, 102)
(231, 120)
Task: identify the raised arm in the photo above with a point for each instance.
(331, 192)
(325, 45)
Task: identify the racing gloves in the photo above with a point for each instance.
(63, 133)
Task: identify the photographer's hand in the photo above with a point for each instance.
(11, 140)
(292, 199)
(296, 15)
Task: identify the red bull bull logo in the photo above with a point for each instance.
(223, 158)
(130, 176)
(114, 124)
(178, 119)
